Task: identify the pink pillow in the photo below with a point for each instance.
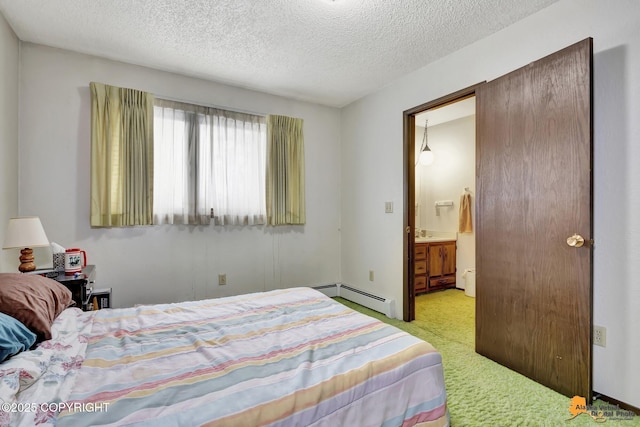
(34, 300)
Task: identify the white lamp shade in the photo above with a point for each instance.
(426, 157)
(25, 232)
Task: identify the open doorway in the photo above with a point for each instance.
(445, 198)
(534, 251)
(434, 194)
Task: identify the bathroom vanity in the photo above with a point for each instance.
(434, 263)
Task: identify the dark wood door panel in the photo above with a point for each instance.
(534, 292)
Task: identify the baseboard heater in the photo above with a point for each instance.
(374, 302)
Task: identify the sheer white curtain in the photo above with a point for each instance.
(208, 161)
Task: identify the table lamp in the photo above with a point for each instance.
(25, 233)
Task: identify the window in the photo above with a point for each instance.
(164, 162)
(209, 164)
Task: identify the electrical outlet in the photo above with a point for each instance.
(222, 279)
(600, 336)
(371, 275)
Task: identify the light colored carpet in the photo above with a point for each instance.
(481, 392)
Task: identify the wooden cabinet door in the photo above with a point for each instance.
(442, 259)
(448, 258)
(435, 259)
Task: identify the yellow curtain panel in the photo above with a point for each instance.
(285, 186)
(121, 156)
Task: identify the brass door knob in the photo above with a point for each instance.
(575, 241)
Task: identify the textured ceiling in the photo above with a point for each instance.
(323, 51)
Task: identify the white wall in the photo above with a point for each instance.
(9, 52)
(373, 166)
(453, 144)
(167, 263)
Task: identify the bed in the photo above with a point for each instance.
(280, 358)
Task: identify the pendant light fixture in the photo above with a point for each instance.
(426, 155)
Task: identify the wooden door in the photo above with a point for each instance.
(534, 157)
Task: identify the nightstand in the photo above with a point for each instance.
(80, 285)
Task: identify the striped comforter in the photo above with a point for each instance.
(281, 358)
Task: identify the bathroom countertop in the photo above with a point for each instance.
(433, 239)
(437, 236)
